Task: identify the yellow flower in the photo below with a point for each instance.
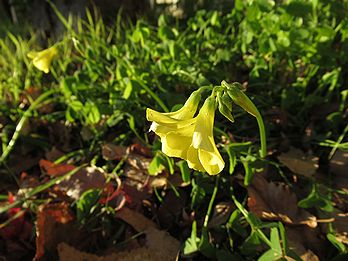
(42, 60)
(162, 123)
(189, 138)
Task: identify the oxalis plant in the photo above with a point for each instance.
(189, 137)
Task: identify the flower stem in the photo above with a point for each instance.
(263, 151)
(212, 199)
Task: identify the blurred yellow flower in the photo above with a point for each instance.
(189, 138)
(42, 60)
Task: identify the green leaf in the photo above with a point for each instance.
(269, 255)
(128, 90)
(191, 244)
(185, 170)
(235, 224)
(165, 32)
(225, 106)
(249, 170)
(314, 199)
(76, 105)
(92, 112)
(157, 165)
(205, 247)
(339, 245)
(86, 203)
(232, 158)
(197, 194)
(275, 242)
(253, 12)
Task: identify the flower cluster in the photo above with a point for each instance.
(188, 137)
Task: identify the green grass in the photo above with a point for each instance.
(291, 56)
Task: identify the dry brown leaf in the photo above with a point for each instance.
(309, 256)
(140, 149)
(339, 166)
(222, 212)
(85, 179)
(113, 152)
(272, 201)
(68, 253)
(135, 219)
(341, 227)
(53, 223)
(55, 170)
(306, 242)
(160, 243)
(298, 162)
(339, 224)
(171, 208)
(54, 154)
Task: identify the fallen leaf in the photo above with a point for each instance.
(113, 152)
(141, 150)
(85, 179)
(162, 245)
(68, 253)
(115, 197)
(54, 154)
(16, 226)
(298, 162)
(307, 242)
(339, 225)
(55, 170)
(52, 225)
(222, 212)
(171, 208)
(309, 256)
(272, 201)
(338, 166)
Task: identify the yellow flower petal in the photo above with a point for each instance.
(176, 143)
(186, 112)
(42, 60)
(193, 160)
(211, 160)
(203, 139)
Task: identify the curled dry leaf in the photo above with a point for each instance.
(298, 162)
(273, 201)
(52, 225)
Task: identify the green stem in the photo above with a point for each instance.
(211, 203)
(21, 123)
(262, 130)
(253, 226)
